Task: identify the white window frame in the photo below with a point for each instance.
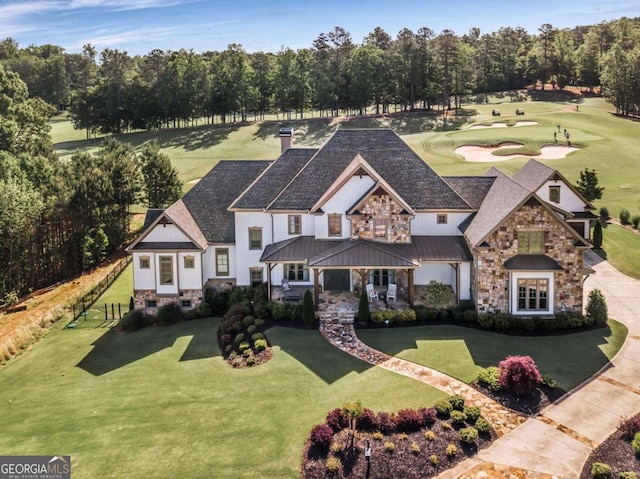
(513, 292)
(163, 261)
(294, 223)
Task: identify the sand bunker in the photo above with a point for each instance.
(502, 124)
(484, 154)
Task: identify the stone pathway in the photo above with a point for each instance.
(555, 444)
(342, 335)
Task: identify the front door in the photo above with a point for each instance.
(337, 280)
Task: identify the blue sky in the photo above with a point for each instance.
(139, 26)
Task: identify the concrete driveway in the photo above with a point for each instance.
(558, 442)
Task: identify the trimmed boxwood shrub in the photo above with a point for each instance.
(260, 345)
(247, 321)
(600, 470)
(321, 436)
(393, 316)
(457, 402)
(628, 475)
(485, 320)
(519, 374)
(635, 443)
(170, 313)
(625, 216)
(443, 407)
(256, 336)
(458, 417)
(468, 435)
(483, 425)
(333, 464)
(490, 377)
(133, 320)
(472, 413)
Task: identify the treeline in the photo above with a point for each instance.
(114, 92)
(58, 218)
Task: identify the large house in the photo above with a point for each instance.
(364, 208)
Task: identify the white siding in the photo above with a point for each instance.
(209, 262)
(339, 203)
(190, 278)
(165, 233)
(166, 288)
(465, 281)
(144, 278)
(427, 224)
(248, 258)
(568, 199)
(442, 272)
(281, 226)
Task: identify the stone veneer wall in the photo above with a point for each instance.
(140, 297)
(384, 207)
(492, 279)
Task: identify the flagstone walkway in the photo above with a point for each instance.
(555, 444)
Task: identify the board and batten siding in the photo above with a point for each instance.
(427, 223)
(165, 233)
(250, 258)
(144, 278)
(167, 288)
(190, 278)
(568, 199)
(281, 226)
(209, 262)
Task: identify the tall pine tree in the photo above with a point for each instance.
(161, 183)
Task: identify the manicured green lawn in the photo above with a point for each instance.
(161, 402)
(461, 352)
(118, 293)
(622, 249)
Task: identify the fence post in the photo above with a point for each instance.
(106, 313)
(113, 312)
(119, 312)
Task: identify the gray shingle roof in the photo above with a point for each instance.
(274, 179)
(533, 175)
(473, 189)
(151, 216)
(504, 196)
(209, 199)
(180, 215)
(399, 166)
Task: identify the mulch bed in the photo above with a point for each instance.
(615, 451)
(240, 361)
(530, 406)
(402, 463)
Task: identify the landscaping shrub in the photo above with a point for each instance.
(259, 322)
(635, 221)
(600, 470)
(378, 436)
(336, 420)
(439, 295)
(308, 311)
(247, 322)
(624, 216)
(170, 313)
(597, 308)
(451, 450)
(501, 322)
(321, 436)
(260, 345)
(429, 415)
(251, 360)
(333, 465)
(204, 310)
(389, 446)
(604, 214)
(367, 421)
(468, 435)
(458, 417)
(443, 407)
(243, 346)
(239, 338)
(415, 448)
(363, 309)
(519, 374)
(256, 336)
(393, 316)
(490, 377)
(485, 320)
(425, 315)
(457, 402)
(548, 381)
(385, 423)
(628, 475)
(482, 425)
(472, 413)
(251, 329)
(470, 316)
(336, 448)
(635, 443)
(630, 427)
(285, 312)
(597, 235)
(433, 459)
(218, 301)
(430, 436)
(408, 420)
(133, 320)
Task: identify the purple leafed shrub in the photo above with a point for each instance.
(408, 420)
(385, 423)
(368, 420)
(336, 420)
(519, 374)
(429, 415)
(629, 427)
(321, 436)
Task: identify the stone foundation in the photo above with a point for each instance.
(141, 296)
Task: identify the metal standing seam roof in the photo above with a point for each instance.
(165, 245)
(388, 155)
(532, 262)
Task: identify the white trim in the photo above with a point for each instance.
(514, 276)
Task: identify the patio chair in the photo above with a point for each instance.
(285, 284)
(392, 292)
(371, 293)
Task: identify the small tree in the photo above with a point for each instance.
(604, 215)
(353, 411)
(625, 216)
(308, 313)
(519, 374)
(597, 235)
(439, 294)
(597, 307)
(363, 308)
(588, 185)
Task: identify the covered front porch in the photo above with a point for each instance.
(337, 271)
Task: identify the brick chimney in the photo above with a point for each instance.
(286, 139)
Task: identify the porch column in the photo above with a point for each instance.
(410, 286)
(363, 275)
(456, 267)
(270, 267)
(316, 287)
